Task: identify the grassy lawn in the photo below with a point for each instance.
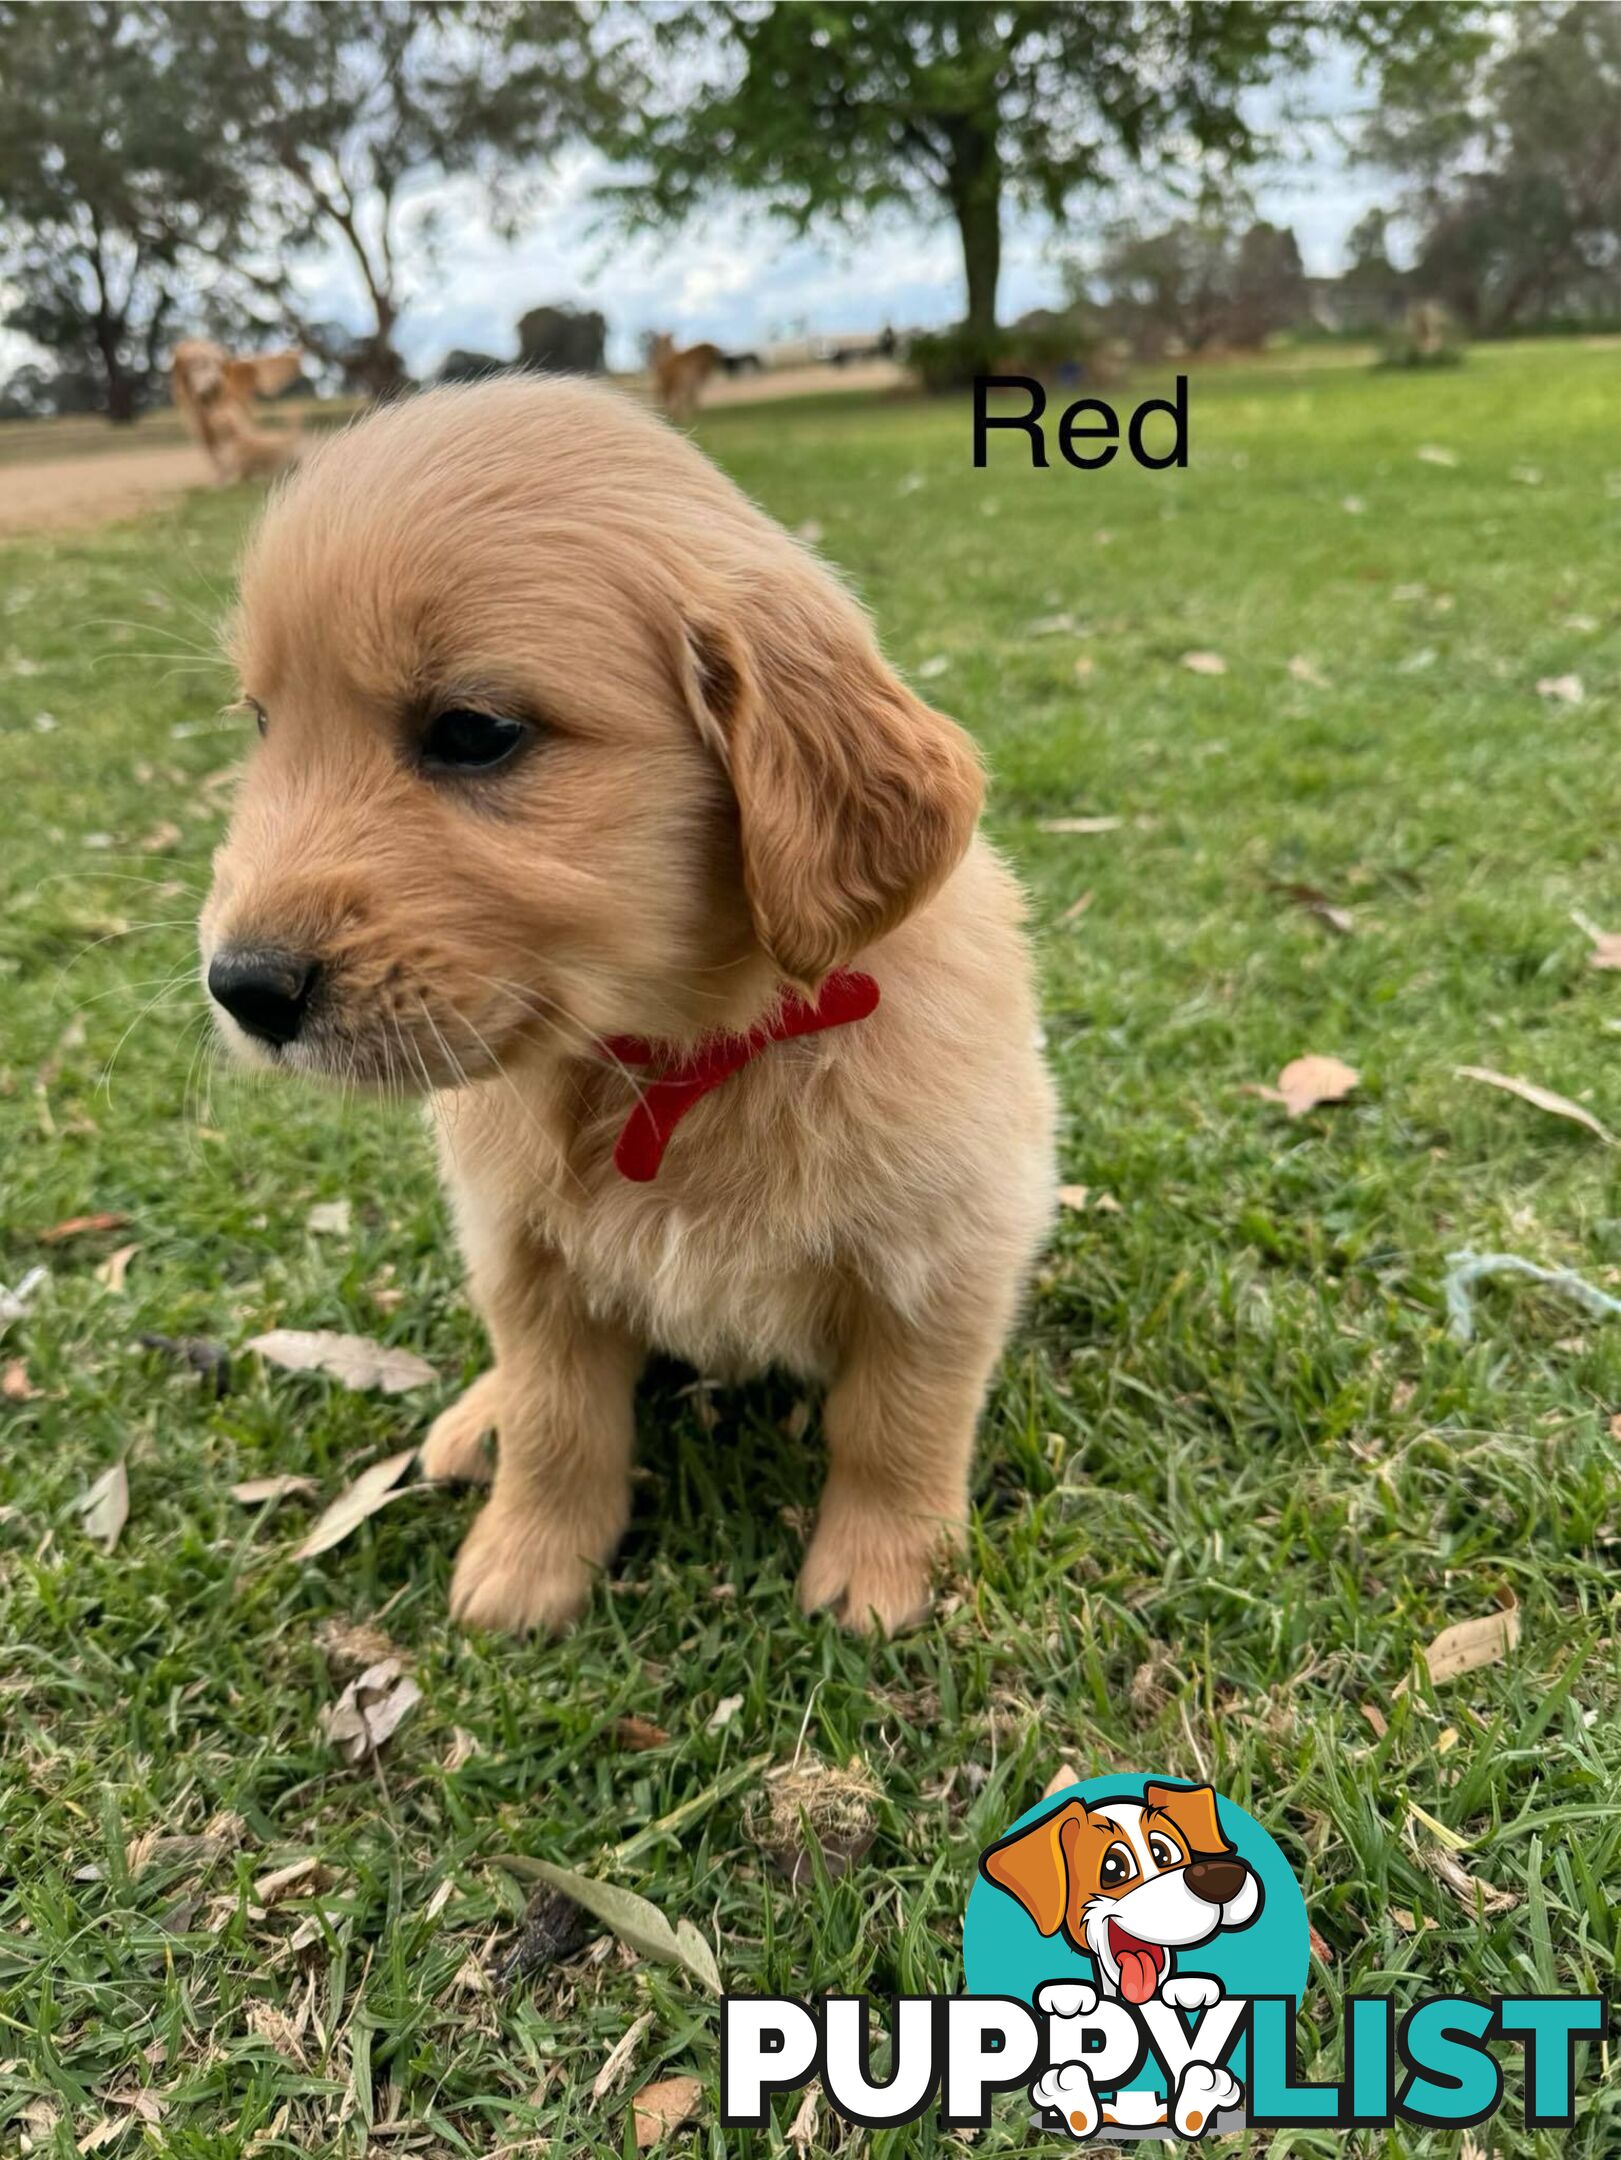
(1237, 1474)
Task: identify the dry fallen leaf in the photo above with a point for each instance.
(1081, 824)
(1315, 902)
(663, 2107)
(1307, 671)
(639, 1734)
(936, 665)
(1471, 1891)
(161, 837)
(81, 1226)
(329, 1218)
(463, 1747)
(370, 1709)
(106, 2132)
(300, 1878)
(269, 2023)
(105, 1507)
(115, 1267)
(1074, 1196)
(1561, 689)
(15, 1384)
(373, 1489)
(355, 1360)
(1606, 951)
(252, 1492)
(1204, 663)
(1486, 1640)
(1307, 1081)
(613, 2067)
(1077, 908)
(1540, 1098)
(1061, 1780)
(633, 1920)
(1433, 454)
(724, 1712)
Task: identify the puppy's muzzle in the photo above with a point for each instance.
(1217, 1882)
(266, 992)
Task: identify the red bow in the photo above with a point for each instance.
(668, 1097)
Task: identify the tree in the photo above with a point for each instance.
(345, 107)
(1199, 283)
(1517, 192)
(107, 184)
(836, 110)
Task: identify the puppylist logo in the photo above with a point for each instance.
(1135, 1952)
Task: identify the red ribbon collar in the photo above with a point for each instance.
(679, 1083)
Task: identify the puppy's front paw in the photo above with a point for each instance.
(454, 1451)
(871, 1574)
(1191, 1991)
(518, 1575)
(1201, 2094)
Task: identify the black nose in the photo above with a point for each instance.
(267, 993)
(1218, 1882)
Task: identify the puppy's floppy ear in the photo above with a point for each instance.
(1193, 1809)
(856, 800)
(1033, 1866)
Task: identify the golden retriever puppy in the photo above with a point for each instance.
(587, 805)
(214, 395)
(679, 374)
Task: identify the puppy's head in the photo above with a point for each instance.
(1129, 1881)
(561, 738)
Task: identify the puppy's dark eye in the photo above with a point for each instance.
(462, 740)
(1164, 1852)
(261, 719)
(1118, 1867)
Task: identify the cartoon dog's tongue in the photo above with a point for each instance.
(1139, 1964)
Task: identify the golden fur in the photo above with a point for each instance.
(214, 395)
(729, 790)
(679, 375)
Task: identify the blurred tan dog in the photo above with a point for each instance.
(679, 375)
(564, 740)
(214, 395)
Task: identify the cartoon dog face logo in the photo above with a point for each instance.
(1129, 1882)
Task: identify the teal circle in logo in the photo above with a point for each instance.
(1010, 1949)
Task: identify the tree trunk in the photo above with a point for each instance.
(979, 218)
(120, 384)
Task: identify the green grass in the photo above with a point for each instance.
(1236, 1473)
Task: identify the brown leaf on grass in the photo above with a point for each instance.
(1074, 1196)
(370, 1710)
(355, 1360)
(1540, 1098)
(1409, 1922)
(300, 1878)
(1081, 824)
(1468, 1644)
(613, 2067)
(1077, 908)
(1061, 1780)
(1204, 663)
(639, 1734)
(664, 2106)
(330, 1218)
(1324, 1954)
(105, 1507)
(106, 2132)
(161, 838)
(463, 1747)
(1376, 1719)
(1307, 1081)
(1606, 951)
(1306, 671)
(115, 1267)
(350, 1646)
(252, 1492)
(373, 1489)
(81, 1226)
(1315, 902)
(15, 1384)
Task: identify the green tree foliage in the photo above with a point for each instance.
(344, 108)
(108, 185)
(951, 106)
(1517, 189)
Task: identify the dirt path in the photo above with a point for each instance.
(98, 484)
(66, 491)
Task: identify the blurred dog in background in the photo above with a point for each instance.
(214, 395)
(679, 373)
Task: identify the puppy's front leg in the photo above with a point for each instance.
(900, 1422)
(561, 1494)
